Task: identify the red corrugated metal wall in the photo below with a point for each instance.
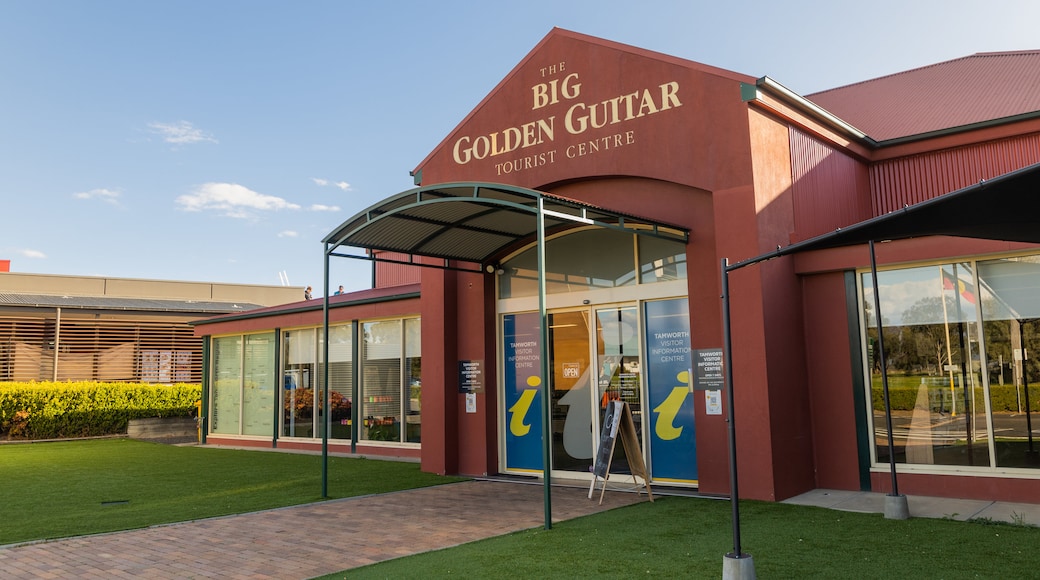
(390, 274)
(830, 189)
(909, 180)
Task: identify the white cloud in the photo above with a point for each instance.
(325, 183)
(288, 234)
(106, 195)
(322, 207)
(180, 133)
(232, 200)
(35, 254)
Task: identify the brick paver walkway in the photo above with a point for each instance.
(310, 540)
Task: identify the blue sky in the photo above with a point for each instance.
(219, 141)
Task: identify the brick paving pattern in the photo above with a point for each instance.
(307, 541)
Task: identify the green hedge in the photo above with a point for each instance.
(50, 410)
(1004, 398)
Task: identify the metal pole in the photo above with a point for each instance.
(326, 423)
(884, 371)
(355, 378)
(730, 416)
(57, 343)
(1031, 454)
(544, 355)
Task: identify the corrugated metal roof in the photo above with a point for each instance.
(136, 304)
(974, 89)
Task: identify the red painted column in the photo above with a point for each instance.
(440, 452)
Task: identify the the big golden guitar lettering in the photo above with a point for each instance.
(581, 118)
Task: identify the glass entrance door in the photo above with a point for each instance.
(571, 388)
(619, 367)
(594, 357)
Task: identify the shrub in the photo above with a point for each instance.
(1003, 398)
(51, 410)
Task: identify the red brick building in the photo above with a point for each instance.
(648, 170)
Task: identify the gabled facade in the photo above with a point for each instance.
(744, 166)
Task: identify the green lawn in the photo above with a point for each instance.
(688, 537)
(78, 487)
(58, 489)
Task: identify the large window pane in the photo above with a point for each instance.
(258, 391)
(341, 378)
(620, 368)
(381, 381)
(227, 385)
(413, 375)
(1010, 291)
(584, 260)
(571, 390)
(933, 364)
(661, 260)
(300, 353)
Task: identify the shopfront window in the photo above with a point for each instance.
(227, 378)
(258, 385)
(243, 385)
(341, 378)
(932, 356)
(961, 341)
(413, 379)
(303, 374)
(1011, 330)
(300, 353)
(391, 392)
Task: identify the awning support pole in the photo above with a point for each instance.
(736, 564)
(326, 422)
(895, 504)
(544, 355)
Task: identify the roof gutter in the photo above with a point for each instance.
(961, 129)
(298, 309)
(750, 92)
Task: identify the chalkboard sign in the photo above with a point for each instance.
(617, 420)
(607, 438)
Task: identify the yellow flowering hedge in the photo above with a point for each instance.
(53, 410)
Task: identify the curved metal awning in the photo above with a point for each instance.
(476, 222)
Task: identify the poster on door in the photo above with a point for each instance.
(673, 447)
(522, 367)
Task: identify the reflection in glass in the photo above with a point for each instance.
(571, 391)
(619, 367)
(661, 260)
(413, 378)
(936, 389)
(1011, 313)
(584, 260)
(300, 353)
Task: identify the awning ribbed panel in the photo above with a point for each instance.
(475, 222)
